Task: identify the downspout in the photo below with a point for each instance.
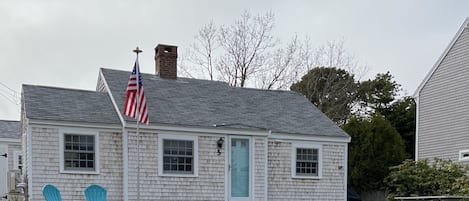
(266, 156)
(29, 140)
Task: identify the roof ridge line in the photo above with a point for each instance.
(62, 88)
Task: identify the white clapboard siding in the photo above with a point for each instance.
(443, 105)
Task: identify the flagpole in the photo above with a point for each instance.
(137, 51)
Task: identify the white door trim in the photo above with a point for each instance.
(4, 173)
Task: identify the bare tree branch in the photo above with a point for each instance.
(246, 53)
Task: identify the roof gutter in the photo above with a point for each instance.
(200, 129)
(52, 123)
(310, 137)
(12, 140)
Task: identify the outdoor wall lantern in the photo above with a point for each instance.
(220, 145)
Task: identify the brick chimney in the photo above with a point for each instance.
(166, 61)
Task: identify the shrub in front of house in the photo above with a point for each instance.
(424, 178)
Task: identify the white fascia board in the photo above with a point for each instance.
(287, 136)
(52, 123)
(197, 129)
(465, 25)
(121, 118)
(125, 159)
(266, 169)
(30, 162)
(10, 140)
(345, 171)
(417, 115)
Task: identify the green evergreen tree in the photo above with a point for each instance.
(376, 146)
(401, 114)
(378, 94)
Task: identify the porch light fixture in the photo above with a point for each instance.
(220, 145)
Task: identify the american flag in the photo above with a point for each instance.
(131, 103)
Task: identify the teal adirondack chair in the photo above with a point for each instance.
(51, 193)
(95, 193)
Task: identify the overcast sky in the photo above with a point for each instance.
(64, 43)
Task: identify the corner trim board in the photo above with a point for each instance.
(30, 163)
(125, 158)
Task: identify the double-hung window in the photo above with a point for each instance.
(306, 161)
(79, 153)
(178, 155)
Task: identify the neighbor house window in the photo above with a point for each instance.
(178, 155)
(18, 160)
(306, 161)
(79, 152)
(464, 155)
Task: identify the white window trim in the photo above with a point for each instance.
(461, 153)
(79, 131)
(16, 160)
(293, 159)
(193, 138)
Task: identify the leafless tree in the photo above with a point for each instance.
(247, 44)
(234, 53)
(282, 68)
(246, 53)
(204, 49)
(332, 54)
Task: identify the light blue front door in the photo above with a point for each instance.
(240, 168)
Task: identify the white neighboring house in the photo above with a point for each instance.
(206, 141)
(10, 151)
(442, 99)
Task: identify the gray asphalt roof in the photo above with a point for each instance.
(196, 102)
(9, 129)
(60, 104)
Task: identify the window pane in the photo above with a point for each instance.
(307, 162)
(90, 164)
(177, 156)
(79, 152)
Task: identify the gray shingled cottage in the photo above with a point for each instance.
(443, 104)
(10, 152)
(206, 141)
